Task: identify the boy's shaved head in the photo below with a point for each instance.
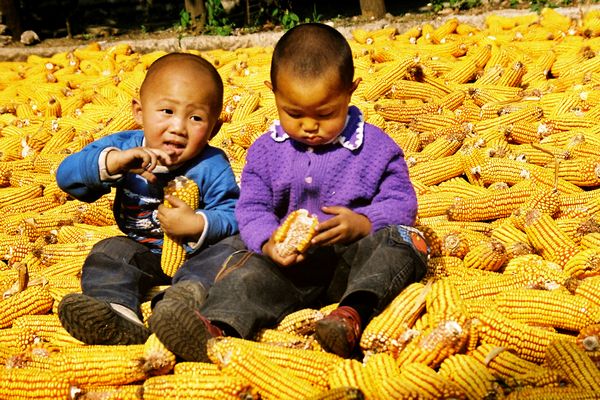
(189, 63)
(310, 51)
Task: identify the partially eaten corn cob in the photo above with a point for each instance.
(296, 232)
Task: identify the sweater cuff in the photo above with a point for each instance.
(195, 246)
(104, 175)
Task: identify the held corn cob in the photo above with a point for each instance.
(173, 251)
(295, 233)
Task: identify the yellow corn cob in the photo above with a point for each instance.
(443, 301)
(301, 322)
(197, 368)
(436, 171)
(14, 341)
(575, 364)
(295, 233)
(547, 308)
(437, 343)
(32, 300)
(584, 264)
(512, 369)
(32, 384)
(54, 253)
(489, 256)
(284, 339)
(407, 89)
(552, 393)
(398, 111)
(396, 70)
(173, 252)
(340, 393)
(471, 376)
(86, 366)
(546, 237)
(272, 381)
(527, 341)
(157, 359)
(192, 386)
(581, 171)
(495, 205)
(384, 332)
(352, 373)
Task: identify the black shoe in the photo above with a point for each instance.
(193, 294)
(182, 329)
(94, 321)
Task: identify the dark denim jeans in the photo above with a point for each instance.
(121, 270)
(252, 292)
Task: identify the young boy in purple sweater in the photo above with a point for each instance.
(323, 157)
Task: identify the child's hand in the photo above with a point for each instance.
(180, 221)
(137, 160)
(345, 227)
(270, 251)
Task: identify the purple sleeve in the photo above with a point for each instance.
(395, 202)
(254, 209)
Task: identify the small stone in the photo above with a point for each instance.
(29, 37)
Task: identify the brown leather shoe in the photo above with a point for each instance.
(182, 329)
(340, 331)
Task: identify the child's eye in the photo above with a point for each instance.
(294, 115)
(196, 118)
(325, 115)
(167, 111)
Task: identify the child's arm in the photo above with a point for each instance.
(80, 173)
(137, 160)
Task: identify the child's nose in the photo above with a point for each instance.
(310, 125)
(177, 125)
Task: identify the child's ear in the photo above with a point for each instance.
(355, 85)
(216, 128)
(136, 110)
(269, 85)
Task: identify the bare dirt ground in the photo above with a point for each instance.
(172, 39)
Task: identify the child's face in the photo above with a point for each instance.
(177, 112)
(312, 112)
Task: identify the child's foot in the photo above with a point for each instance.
(340, 331)
(182, 329)
(95, 322)
(191, 293)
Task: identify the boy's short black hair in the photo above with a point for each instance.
(310, 50)
(179, 57)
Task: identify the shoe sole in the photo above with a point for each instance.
(331, 335)
(190, 293)
(95, 322)
(180, 330)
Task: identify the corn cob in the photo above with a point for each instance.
(352, 373)
(437, 343)
(384, 332)
(546, 237)
(552, 393)
(32, 300)
(396, 70)
(29, 384)
(512, 369)
(191, 386)
(272, 381)
(471, 376)
(86, 366)
(301, 322)
(340, 393)
(575, 364)
(295, 233)
(584, 263)
(547, 308)
(489, 256)
(528, 342)
(173, 252)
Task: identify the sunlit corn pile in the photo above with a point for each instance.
(500, 128)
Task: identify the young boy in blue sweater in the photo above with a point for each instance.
(179, 104)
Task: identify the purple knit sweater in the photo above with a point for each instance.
(363, 170)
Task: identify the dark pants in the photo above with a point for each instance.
(121, 270)
(252, 292)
